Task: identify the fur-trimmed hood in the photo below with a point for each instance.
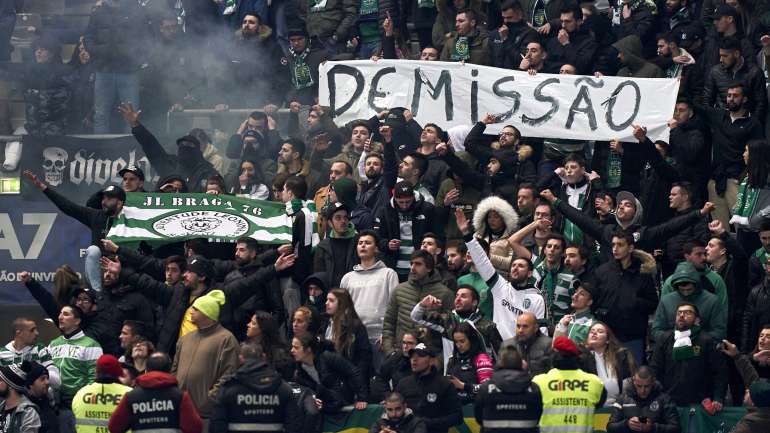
(648, 264)
(502, 207)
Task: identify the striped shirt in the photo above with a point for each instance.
(36, 352)
(76, 359)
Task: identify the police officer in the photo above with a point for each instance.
(94, 403)
(570, 395)
(508, 402)
(255, 398)
(156, 404)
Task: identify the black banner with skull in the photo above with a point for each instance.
(78, 167)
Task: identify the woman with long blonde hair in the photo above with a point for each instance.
(608, 359)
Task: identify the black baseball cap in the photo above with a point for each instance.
(422, 350)
(113, 191)
(724, 10)
(403, 189)
(132, 169)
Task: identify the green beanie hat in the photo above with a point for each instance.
(210, 303)
(346, 190)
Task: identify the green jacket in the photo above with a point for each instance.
(707, 278)
(713, 315)
(398, 318)
(478, 49)
(327, 18)
(76, 359)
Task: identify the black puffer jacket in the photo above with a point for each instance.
(718, 79)
(433, 398)
(627, 297)
(657, 407)
(118, 35)
(516, 399)
(507, 53)
(340, 382)
(387, 224)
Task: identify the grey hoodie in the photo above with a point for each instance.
(371, 289)
(24, 418)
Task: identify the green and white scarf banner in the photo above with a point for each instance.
(160, 218)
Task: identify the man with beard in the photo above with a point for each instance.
(37, 386)
(247, 263)
(248, 60)
(302, 67)
(731, 128)
(509, 42)
(351, 153)
(572, 44)
(688, 363)
(397, 417)
(734, 66)
(402, 225)
(381, 175)
(455, 258)
(512, 297)
(98, 220)
(188, 161)
(676, 62)
(75, 355)
(256, 138)
(17, 412)
(467, 43)
(436, 169)
(466, 309)
(688, 147)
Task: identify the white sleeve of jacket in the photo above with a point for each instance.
(418, 315)
(481, 260)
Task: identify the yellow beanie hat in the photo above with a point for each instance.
(210, 303)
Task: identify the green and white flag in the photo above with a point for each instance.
(160, 218)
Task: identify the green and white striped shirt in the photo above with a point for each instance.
(36, 352)
(76, 359)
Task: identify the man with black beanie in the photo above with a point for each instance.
(17, 413)
(36, 386)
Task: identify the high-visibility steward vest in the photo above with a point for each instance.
(569, 400)
(93, 405)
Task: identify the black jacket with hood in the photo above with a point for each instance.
(387, 223)
(515, 398)
(257, 381)
(633, 61)
(657, 407)
(195, 175)
(627, 297)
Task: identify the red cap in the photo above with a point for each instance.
(108, 365)
(566, 346)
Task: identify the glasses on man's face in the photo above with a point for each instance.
(83, 300)
(506, 134)
(685, 313)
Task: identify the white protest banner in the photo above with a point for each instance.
(543, 105)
